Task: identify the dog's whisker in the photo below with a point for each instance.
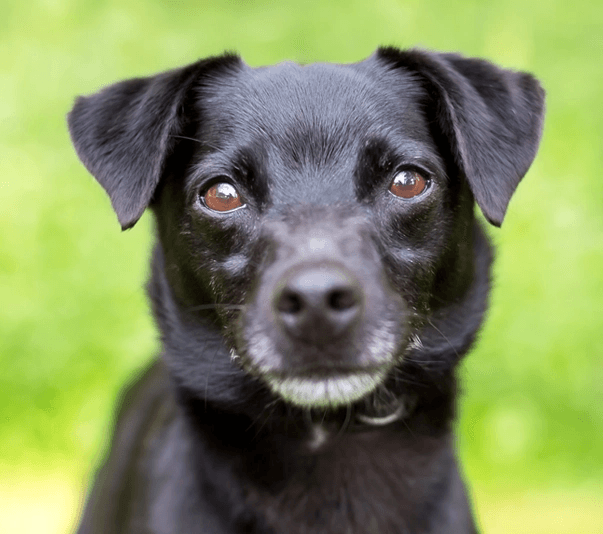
(211, 365)
(267, 416)
(187, 138)
(402, 378)
(216, 306)
(346, 421)
(444, 336)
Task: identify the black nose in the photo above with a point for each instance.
(319, 303)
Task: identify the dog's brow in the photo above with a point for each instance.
(381, 155)
(245, 165)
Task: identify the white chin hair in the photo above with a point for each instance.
(326, 392)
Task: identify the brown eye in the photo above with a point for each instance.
(222, 197)
(408, 184)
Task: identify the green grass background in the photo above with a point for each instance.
(74, 323)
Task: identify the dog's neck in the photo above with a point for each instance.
(302, 474)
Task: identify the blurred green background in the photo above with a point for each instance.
(74, 323)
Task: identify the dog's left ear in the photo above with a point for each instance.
(125, 133)
(492, 118)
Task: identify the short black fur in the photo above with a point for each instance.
(311, 335)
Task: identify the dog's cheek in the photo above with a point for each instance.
(218, 235)
(205, 260)
(223, 258)
(410, 242)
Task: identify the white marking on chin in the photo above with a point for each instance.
(323, 392)
(318, 438)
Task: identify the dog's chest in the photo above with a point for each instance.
(370, 482)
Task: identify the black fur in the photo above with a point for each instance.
(310, 338)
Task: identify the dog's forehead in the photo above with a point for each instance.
(334, 104)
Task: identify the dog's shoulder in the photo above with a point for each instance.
(145, 410)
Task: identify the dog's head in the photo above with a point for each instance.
(320, 217)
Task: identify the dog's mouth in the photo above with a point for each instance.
(325, 388)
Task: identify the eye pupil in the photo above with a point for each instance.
(408, 184)
(222, 197)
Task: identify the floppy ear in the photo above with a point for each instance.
(124, 133)
(492, 118)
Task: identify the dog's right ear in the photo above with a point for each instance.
(124, 133)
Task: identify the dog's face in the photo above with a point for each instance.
(325, 216)
(321, 216)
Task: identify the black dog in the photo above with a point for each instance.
(318, 275)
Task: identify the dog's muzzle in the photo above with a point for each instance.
(323, 328)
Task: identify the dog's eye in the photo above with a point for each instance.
(408, 184)
(222, 197)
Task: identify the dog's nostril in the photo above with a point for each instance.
(342, 299)
(289, 302)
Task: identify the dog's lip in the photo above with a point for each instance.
(318, 372)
